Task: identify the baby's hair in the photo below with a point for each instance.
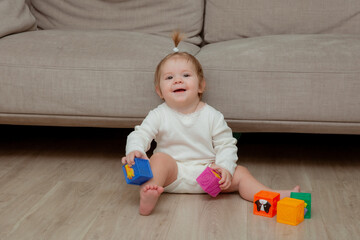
(177, 37)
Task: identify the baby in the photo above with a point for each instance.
(190, 136)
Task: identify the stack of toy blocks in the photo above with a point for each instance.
(265, 203)
(209, 181)
(138, 173)
(307, 198)
(290, 211)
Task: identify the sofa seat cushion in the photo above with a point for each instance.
(81, 73)
(285, 77)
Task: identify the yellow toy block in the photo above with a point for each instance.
(290, 211)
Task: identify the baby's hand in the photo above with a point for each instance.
(226, 177)
(129, 159)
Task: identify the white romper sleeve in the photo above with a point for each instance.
(140, 139)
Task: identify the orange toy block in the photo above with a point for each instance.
(290, 211)
(265, 203)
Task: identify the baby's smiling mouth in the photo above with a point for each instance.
(179, 90)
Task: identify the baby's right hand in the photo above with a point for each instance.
(129, 159)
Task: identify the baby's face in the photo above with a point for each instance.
(179, 83)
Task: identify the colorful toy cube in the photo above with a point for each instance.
(138, 173)
(307, 198)
(290, 211)
(209, 181)
(265, 203)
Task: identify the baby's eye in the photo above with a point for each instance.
(169, 77)
(186, 75)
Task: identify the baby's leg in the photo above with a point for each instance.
(247, 185)
(164, 170)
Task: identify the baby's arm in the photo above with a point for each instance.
(139, 141)
(224, 145)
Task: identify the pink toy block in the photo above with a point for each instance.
(209, 181)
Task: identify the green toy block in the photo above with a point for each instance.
(307, 198)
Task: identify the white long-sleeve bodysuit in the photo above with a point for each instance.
(194, 140)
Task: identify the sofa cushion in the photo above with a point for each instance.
(15, 17)
(285, 77)
(159, 17)
(81, 73)
(231, 19)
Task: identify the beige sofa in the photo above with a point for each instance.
(270, 65)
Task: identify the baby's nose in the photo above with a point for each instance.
(178, 80)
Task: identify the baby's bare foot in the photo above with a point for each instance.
(296, 189)
(286, 193)
(149, 195)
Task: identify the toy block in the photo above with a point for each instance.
(265, 203)
(290, 211)
(209, 181)
(138, 173)
(307, 198)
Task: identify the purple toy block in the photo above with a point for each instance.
(209, 181)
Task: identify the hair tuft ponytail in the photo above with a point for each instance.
(177, 37)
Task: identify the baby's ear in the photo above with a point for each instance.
(202, 85)
(158, 91)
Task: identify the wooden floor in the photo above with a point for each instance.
(67, 183)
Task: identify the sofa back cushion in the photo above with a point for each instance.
(15, 17)
(231, 19)
(159, 17)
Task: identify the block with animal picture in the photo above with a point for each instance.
(265, 203)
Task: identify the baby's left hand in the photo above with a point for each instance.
(226, 177)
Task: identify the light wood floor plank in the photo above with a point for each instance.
(67, 183)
